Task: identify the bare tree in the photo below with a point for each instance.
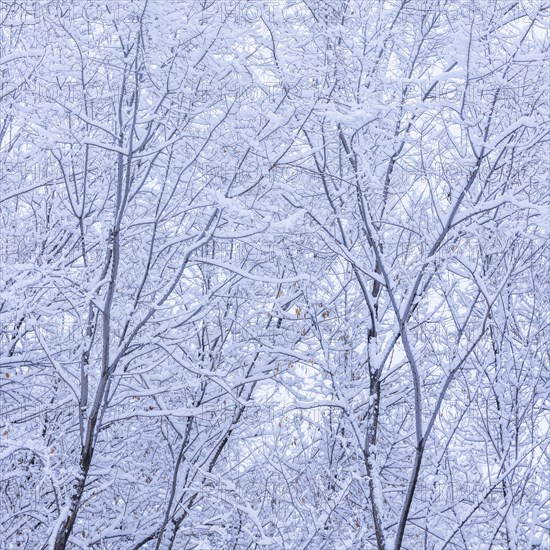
(273, 275)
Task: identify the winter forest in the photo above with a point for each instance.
(274, 275)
